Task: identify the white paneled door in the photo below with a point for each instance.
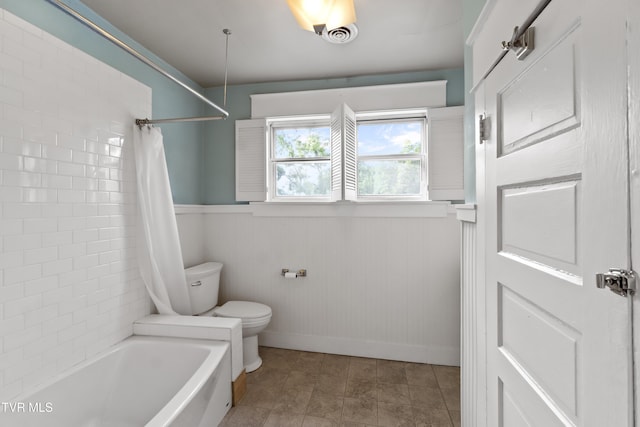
(557, 214)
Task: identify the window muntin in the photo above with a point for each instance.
(300, 159)
(391, 158)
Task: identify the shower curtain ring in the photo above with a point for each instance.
(144, 122)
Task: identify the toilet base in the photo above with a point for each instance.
(250, 357)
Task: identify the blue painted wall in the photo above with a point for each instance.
(200, 156)
(183, 142)
(218, 169)
(470, 11)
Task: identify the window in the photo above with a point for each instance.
(388, 157)
(407, 155)
(300, 160)
(391, 157)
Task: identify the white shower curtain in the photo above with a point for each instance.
(159, 253)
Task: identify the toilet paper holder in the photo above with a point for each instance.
(300, 273)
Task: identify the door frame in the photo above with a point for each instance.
(633, 61)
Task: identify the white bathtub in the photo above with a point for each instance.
(142, 381)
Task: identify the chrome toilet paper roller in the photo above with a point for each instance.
(289, 274)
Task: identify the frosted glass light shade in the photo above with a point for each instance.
(329, 13)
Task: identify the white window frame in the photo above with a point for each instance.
(273, 124)
(444, 156)
(397, 116)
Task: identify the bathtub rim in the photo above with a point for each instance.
(172, 408)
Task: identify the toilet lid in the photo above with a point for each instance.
(243, 310)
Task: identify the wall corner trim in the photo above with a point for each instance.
(480, 22)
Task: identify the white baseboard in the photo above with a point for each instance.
(436, 355)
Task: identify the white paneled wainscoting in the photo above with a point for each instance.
(382, 280)
(471, 371)
(69, 281)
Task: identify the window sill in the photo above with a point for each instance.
(395, 209)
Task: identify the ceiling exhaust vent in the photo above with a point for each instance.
(341, 35)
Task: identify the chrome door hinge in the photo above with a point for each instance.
(522, 45)
(483, 128)
(619, 281)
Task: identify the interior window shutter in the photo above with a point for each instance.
(251, 160)
(336, 154)
(349, 163)
(344, 174)
(445, 153)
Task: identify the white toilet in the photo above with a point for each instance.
(203, 282)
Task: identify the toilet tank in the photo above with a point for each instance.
(203, 282)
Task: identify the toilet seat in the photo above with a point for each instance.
(250, 312)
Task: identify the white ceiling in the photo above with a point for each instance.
(266, 43)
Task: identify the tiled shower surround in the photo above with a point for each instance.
(69, 286)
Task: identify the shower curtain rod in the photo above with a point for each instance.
(113, 39)
(144, 122)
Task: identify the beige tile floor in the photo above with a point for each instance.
(297, 388)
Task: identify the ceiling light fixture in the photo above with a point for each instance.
(318, 15)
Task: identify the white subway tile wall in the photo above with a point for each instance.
(69, 286)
